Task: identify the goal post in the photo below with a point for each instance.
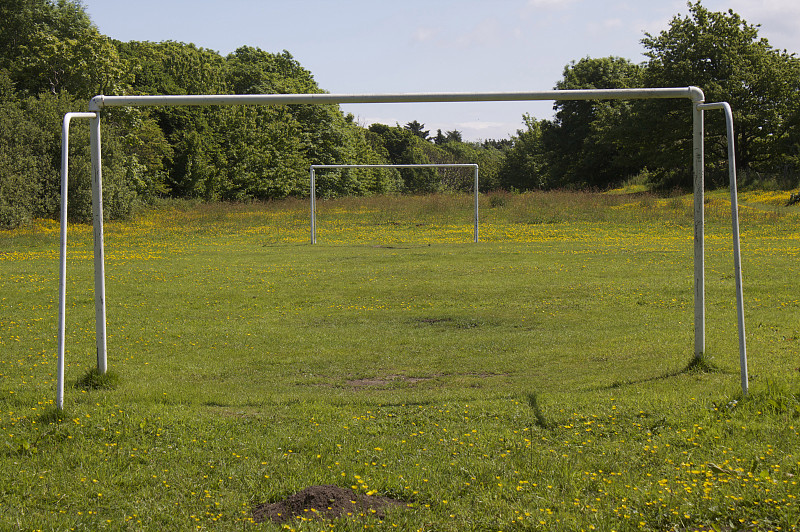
(315, 167)
(62, 282)
(737, 254)
(693, 94)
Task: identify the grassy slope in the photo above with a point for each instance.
(536, 380)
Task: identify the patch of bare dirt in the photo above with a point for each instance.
(324, 502)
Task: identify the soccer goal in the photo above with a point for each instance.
(693, 94)
(315, 167)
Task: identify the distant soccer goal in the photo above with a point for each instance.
(315, 167)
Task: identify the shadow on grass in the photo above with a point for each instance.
(533, 401)
(26, 445)
(51, 416)
(696, 366)
(94, 380)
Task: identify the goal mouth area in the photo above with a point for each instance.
(314, 167)
(692, 93)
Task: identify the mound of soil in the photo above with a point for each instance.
(324, 502)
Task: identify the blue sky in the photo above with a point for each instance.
(380, 46)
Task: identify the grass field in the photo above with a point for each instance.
(538, 380)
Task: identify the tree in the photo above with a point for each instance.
(260, 152)
(584, 142)
(524, 167)
(453, 136)
(52, 46)
(24, 168)
(722, 54)
(405, 147)
(314, 134)
(30, 148)
(174, 68)
(499, 144)
(254, 71)
(418, 129)
(20, 19)
(487, 158)
(787, 146)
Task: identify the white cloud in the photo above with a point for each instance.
(602, 26)
(488, 32)
(480, 125)
(550, 3)
(482, 32)
(539, 12)
(423, 34)
(779, 19)
(366, 121)
(473, 131)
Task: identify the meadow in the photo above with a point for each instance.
(541, 379)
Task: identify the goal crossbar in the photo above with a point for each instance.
(101, 101)
(315, 167)
(694, 94)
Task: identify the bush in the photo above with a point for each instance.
(30, 163)
(498, 200)
(23, 167)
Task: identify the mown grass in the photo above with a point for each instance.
(539, 380)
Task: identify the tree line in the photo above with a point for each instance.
(53, 59)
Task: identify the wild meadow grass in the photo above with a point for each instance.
(538, 380)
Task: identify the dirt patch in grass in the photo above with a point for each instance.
(454, 323)
(434, 321)
(324, 502)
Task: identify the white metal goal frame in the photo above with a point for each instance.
(315, 167)
(694, 94)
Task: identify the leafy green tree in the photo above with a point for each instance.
(174, 68)
(21, 19)
(454, 151)
(584, 142)
(418, 129)
(490, 162)
(261, 153)
(453, 136)
(403, 146)
(454, 179)
(499, 144)
(192, 158)
(55, 59)
(30, 154)
(254, 71)
(145, 150)
(333, 139)
(524, 167)
(722, 54)
(787, 145)
(322, 134)
(23, 167)
(52, 46)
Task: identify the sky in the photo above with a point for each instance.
(383, 46)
